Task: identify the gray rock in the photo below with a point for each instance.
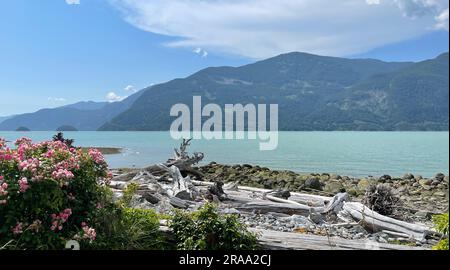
(301, 220)
(440, 177)
(140, 202)
(152, 198)
(313, 183)
(421, 214)
(408, 176)
(316, 218)
(231, 211)
(184, 195)
(385, 177)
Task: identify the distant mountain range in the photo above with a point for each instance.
(313, 93)
(83, 116)
(3, 118)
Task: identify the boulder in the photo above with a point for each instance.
(385, 177)
(313, 183)
(363, 184)
(408, 176)
(425, 182)
(333, 187)
(440, 177)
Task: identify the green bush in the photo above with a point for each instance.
(441, 223)
(124, 228)
(49, 194)
(206, 229)
(129, 229)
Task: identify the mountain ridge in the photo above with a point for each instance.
(309, 89)
(313, 92)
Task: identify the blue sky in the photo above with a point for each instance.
(53, 53)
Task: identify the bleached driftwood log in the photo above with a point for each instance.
(276, 240)
(181, 187)
(182, 160)
(376, 222)
(302, 198)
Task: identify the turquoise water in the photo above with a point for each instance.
(345, 153)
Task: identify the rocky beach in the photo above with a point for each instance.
(283, 205)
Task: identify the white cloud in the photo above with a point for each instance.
(201, 52)
(113, 97)
(73, 2)
(56, 99)
(373, 2)
(264, 28)
(442, 20)
(417, 8)
(130, 88)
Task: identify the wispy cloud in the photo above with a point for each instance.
(113, 97)
(56, 99)
(130, 88)
(73, 2)
(201, 52)
(442, 20)
(264, 28)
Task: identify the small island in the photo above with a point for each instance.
(23, 129)
(67, 128)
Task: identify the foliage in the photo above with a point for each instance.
(129, 229)
(128, 194)
(59, 137)
(49, 193)
(206, 229)
(380, 199)
(441, 223)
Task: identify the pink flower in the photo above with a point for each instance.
(23, 185)
(60, 219)
(62, 174)
(23, 141)
(30, 165)
(88, 232)
(2, 142)
(3, 189)
(18, 228)
(97, 156)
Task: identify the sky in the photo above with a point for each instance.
(58, 52)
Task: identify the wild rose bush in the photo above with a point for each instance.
(49, 193)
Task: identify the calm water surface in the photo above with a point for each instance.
(345, 153)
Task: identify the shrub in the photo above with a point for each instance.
(49, 193)
(129, 229)
(207, 230)
(441, 223)
(124, 228)
(60, 137)
(380, 199)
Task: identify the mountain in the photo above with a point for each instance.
(83, 116)
(3, 118)
(87, 105)
(313, 93)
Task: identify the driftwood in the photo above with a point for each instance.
(264, 207)
(183, 161)
(376, 222)
(182, 187)
(275, 240)
(349, 212)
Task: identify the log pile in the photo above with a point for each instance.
(177, 184)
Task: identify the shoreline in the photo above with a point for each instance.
(420, 196)
(420, 199)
